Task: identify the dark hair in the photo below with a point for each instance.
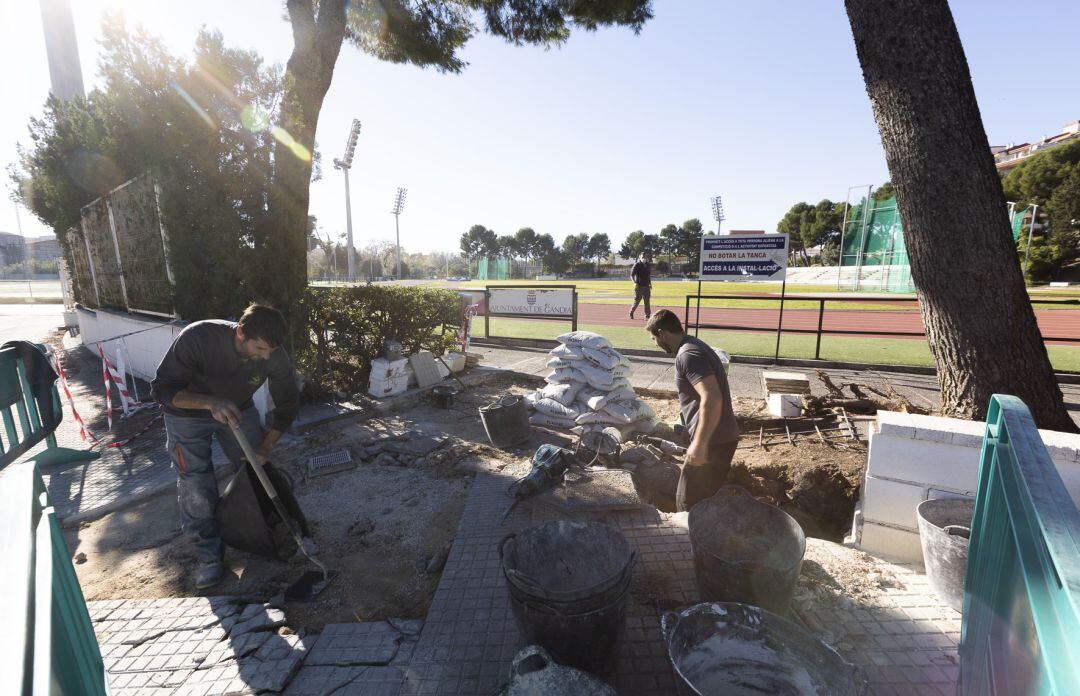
(265, 322)
(664, 320)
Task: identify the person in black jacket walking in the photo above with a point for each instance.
(641, 274)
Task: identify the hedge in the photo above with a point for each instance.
(348, 327)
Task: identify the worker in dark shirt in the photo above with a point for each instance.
(641, 274)
(205, 385)
(705, 404)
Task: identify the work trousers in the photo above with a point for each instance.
(642, 292)
(700, 481)
(188, 440)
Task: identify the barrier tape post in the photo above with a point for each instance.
(83, 430)
(108, 387)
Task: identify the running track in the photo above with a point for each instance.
(1054, 323)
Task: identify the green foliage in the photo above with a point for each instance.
(575, 248)
(815, 225)
(638, 242)
(200, 127)
(1051, 180)
(883, 192)
(479, 241)
(348, 327)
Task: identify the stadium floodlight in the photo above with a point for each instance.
(717, 212)
(399, 205)
(345, 164)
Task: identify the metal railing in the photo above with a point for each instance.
(820, 330)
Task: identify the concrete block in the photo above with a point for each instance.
(894, 424)
(891, 544)
(891, 502)
(927, 463)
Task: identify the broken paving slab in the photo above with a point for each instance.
(347, 681)
(363, 643)
(235, 648)
(417, 444)
(595, 490)
(312, 416)
(270, 668)
(264, 620)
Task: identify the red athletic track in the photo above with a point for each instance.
(1053, 323)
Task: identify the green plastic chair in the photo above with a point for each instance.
(27, 426)
(49, 645)
(1021, 621)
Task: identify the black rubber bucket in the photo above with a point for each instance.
(729, 649)
(506, 421)
(443, 395)
(745, 551)
(569, 584)
(944, 530)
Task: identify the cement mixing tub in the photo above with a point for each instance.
(745, 550)
(569, 583)
(944, 529)
(730, 649)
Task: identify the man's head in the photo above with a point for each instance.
(645, 256)
(260, 330)
(666, 329)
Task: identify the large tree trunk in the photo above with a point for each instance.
(978, 315)
(282, 275)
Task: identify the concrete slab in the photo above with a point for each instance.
(356, 644)
(347, 681)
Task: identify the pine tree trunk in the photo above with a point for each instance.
(282, 276)
(978, 316)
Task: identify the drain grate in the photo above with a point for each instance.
(323, 464)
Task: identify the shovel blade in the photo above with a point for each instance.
(309, 585)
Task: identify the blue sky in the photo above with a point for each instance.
(762, 103)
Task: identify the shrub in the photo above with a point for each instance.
(348, 327)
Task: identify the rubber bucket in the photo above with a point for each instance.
(944, 529)
(745, 551)
(506, 421)
(534, 673)
(732, 649)
(568, 584)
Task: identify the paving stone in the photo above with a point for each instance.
(251, 674)
(235, 648)
(263, 621)
(346, 681)
(364, 643)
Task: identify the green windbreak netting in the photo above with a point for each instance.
(1016, 218)
(873, 235)
(493, 269)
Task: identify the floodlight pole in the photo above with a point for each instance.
(345, 164)
(718, 215)
(399, 204)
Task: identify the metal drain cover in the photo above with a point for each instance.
(323, 464)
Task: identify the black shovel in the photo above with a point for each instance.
(279, 518)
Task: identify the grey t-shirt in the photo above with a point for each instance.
(203, 359)
(695, 361)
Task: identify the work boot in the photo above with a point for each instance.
(208, 574)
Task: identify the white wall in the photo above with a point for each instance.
(144, 349)
(913, 458)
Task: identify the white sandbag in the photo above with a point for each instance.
(621, 370)
(565, 393)
(599, 417)
(584, 339)
(564, 375)
(532, 397)
(629, 411)
(547, 421)
(604, 359)
(552, 407)
(642, 426)
(596, 377)
(556, 363)
(567, 352)
(598, 400)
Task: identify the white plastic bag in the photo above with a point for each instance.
(567, 352)
(599, 417)
(604, 359)
(564, 392)
(551, 407)
(547, 421)
(598, 400)
(629, 411)
(564, 375)
(556, 363)
(584, 339)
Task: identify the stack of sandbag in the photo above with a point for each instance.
(589, 389)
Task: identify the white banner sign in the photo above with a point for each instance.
(744, 257)
(543, 302)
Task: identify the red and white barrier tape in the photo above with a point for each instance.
(83, 430)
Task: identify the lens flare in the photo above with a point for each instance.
(194, 105)
(298, 150)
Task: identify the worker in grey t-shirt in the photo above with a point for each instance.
(205, 385)
(705, 403)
